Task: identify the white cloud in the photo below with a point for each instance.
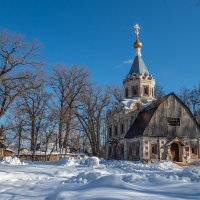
(127, 61)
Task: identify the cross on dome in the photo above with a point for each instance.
(137, 27)
(137, 45)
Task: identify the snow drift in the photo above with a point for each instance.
(92, 178)
(12, 161)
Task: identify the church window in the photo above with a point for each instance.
(171, 121)
(194, 148)
(130, 153)
(146, 90)
(116, 131)
(126, 92)
(109, 152)
(110, 131)
(152, 92)
(134, 90)
(122, 128)
(154, 149)
(122, 151)
(137, 153)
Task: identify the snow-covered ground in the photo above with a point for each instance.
(90, 179)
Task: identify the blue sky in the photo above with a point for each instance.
(99, 34)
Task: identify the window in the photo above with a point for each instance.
(116, 131)
(130, 153)
(154, 149)
(110, 131)
(134, 90)
(109, 152)
(126, 93)
(173, 121)
(137, 152)
(194, 148)
(122, 151)
(122, 128)
(146, 90)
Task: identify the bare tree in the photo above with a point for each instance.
(195, 100)
(16, 58)
(48, 137)
(159, 92)
(191, 97)
(34, 105)
(117, 94)
(68, 84)
(15, 128)
(184, 94)
(91, 115)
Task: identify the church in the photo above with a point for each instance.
(143, 128)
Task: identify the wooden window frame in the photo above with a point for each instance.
(173, 121)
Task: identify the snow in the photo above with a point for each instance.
(12, 161)
(92, 178)
(196, 162)
(128, 103)
(92, 161)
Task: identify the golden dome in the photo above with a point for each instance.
(137, 44)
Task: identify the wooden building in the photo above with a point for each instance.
(143, 128)
(5, 151)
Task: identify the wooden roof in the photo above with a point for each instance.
(176, 140)
(144, 117)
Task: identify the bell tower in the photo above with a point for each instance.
(139, 82)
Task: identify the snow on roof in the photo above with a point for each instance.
(128, 103)
(40, 153)
(7, 149)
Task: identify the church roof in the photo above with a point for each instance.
(138, 66)
(142, 120)
(144, 117)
